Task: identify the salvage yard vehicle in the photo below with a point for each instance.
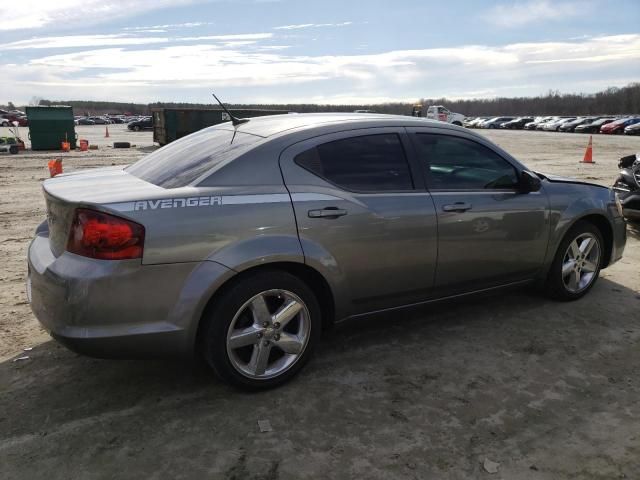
(632, 129)
(241, 242)
(554, 125)
(517, 123)
(438, 112)
(571, 126)
(627, 186)
(618, 126)
(84, 121)
(495, 122)
(593, 127)
(141, 124)
(538, 121)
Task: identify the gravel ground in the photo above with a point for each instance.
(547, 390)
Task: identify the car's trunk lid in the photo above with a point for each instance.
(100, 187)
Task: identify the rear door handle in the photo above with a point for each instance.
(457, 207)
(329, 212)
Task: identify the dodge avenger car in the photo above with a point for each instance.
(241, 242)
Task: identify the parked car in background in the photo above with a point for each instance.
(84, 121)
(438, 112)
(100, 120)
(477, 122)
(467, 121)
(593, 127)
(143, 124)
(571, 126)
(537, 121)
(495, 122)
(632, 129)
(9, 118)
(516, 123)
(183, 253)
(553, 126)
(618, 126)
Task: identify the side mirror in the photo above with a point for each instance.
(529, 182)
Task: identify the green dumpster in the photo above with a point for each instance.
(50, 126)
(169, 124)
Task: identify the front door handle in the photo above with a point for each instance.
(329, 212)
(457, 207)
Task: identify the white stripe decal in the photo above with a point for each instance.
(216, 201)
(263, 198)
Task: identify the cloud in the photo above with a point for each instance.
(31, 14)
(80, 41)
(522, 13)
(170, 26)
(311, 25)
(256, 72)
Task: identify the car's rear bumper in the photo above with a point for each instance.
(119, 309)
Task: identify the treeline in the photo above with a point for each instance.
(625, 100)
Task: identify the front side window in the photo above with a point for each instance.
(455, 163)
(369, 163)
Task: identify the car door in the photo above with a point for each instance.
(361, 207)
(489, 233)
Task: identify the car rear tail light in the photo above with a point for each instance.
(107, 237)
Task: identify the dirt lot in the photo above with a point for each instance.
(548, 390)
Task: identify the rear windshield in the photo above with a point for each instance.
(183, 161)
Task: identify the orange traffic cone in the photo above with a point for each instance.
(588, 154)
(106, 131)
(55, 167)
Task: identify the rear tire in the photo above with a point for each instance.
(244, 343)
(576, 266)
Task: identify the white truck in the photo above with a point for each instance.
(438, 112)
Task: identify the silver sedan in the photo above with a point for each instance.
(240, 243)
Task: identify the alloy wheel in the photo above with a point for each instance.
(580, 262)
(268, 334)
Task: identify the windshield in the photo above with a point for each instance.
(183, 161)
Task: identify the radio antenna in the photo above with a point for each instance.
(234, 120)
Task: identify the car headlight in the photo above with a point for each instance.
(618, 203)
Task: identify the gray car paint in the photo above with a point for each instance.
(390, 250)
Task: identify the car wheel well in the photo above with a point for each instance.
(314, 280)
(602, 224)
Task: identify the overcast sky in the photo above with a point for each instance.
(327, 51)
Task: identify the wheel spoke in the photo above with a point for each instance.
(244, 336)
(567, 267)
(586, 246)
(289, 343)
(589, 266)
(260, 311)
(575, 280)
(259, 358)
(575, 249)
(287, 312)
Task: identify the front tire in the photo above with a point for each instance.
(576, 266)
(262, 330)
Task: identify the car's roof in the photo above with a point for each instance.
(274, 124)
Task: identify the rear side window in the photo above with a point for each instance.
(183, 161)
(369, 163)
(456, 163)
